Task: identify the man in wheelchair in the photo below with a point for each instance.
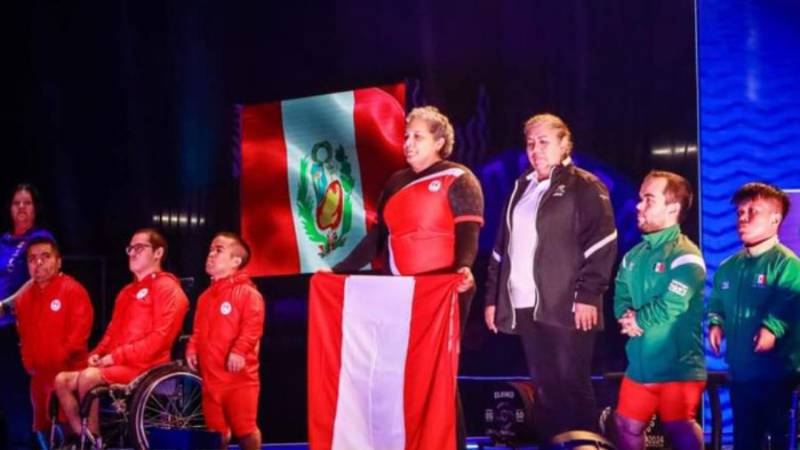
(147, 317)
(228, 326)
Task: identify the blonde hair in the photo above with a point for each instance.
(555, 123)
(438, 124)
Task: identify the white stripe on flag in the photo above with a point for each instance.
(306, 122)
(376, 319)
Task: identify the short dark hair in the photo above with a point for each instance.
(157, 240)
(678, 190)
(752, 191)
(242, 250)
(44, 240)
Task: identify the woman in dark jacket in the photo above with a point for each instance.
(550, 267)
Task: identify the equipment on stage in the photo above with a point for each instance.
(508, 414)
(579, 440)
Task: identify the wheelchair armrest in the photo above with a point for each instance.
(179, 348)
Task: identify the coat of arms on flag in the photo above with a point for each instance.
(312, 171)
(323, 196)
(382, 362)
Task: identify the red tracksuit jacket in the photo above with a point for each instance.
(229, 318)
(148, 315)
(54, 325)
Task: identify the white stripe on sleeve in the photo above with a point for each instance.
(688, 259)
(600, 244)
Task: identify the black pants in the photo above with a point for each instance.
(15, 400)
(560, 364)
(761, 407)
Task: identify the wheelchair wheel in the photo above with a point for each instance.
(169, 397)
(113, 414)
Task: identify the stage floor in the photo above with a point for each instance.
(473, 443)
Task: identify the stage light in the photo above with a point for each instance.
(180, 220)
(674, 151)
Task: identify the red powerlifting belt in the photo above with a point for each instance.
(421, 224)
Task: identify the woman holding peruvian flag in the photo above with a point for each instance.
(429, 216)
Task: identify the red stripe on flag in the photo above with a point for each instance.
(266, 206)
(379, 118)
(325, 303)
(432, 364)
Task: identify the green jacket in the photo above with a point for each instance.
(751, 292)
(662, 279)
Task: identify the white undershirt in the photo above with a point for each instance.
(522, 245)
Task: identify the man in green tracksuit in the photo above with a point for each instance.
(755, 304)
(659, 304)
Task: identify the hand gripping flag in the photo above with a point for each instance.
(312, 171)
(382, 362)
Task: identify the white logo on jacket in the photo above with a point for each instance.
(678, 288)
(560, 190)
(435, 185)
(55, 305)
(725, 285)
(142, 293)
(225, 308)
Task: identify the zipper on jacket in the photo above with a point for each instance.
(546, 196)
(508, 249)
(737, 306)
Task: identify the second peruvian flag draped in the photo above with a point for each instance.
(382, 362)
(312, 171)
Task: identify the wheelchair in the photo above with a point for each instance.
(166, 397)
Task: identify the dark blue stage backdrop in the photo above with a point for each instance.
(748, 61)
(124, 114)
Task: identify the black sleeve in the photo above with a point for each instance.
(597, 235)
(466, 199)
(466, 244)
(493, 270)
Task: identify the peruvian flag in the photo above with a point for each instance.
(312, 171)
(382, 362)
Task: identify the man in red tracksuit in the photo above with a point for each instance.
(54, 319)
(224, 346)
(148, 315)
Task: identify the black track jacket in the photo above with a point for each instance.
(577, 246)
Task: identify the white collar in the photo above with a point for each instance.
(532, 176)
